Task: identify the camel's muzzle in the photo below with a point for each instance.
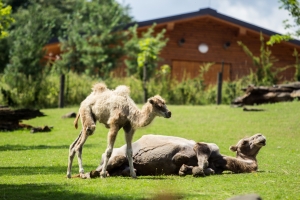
(262, 143)
(261, 140)
(168, 114)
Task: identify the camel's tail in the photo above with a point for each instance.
(76, 120)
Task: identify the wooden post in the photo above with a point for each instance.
(220, 80)
(144, 83)
(61, 91)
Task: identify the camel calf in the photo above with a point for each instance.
(115, 109)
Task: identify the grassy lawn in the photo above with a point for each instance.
(33, 166)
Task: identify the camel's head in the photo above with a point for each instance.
(249, 147)
(160, 106)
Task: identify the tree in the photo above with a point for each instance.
(5, 19)
(293, 7)
(94, 41)
(143, 57)
(27, 52)
(58, 12)
(26, 69)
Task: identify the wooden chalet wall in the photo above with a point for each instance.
(215, 34)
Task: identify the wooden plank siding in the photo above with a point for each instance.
(215, 34)
(182, 70)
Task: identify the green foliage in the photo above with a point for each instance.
(25, 73)
(144, 51)
(293, 7)
(16, 4)
(265, 72)
(21, 91)
(94, 42)
(33, 166)
(26, 52)
(278, 38)
(5, 19)
(18, 90)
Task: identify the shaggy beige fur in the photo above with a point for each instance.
(115, 109)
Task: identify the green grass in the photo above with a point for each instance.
(33, 166)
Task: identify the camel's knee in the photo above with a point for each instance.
(108, 152)
(72, 151)
(179, 159)
(185, 170)
(90, 129)
(129, 153)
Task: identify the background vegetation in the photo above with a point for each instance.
(33, 166)
(93, 45)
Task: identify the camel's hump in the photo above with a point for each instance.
(122, 90)
(99, 87)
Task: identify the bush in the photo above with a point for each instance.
(44, 94)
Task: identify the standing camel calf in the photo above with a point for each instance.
(116, 110)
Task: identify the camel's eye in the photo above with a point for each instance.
(158, 106)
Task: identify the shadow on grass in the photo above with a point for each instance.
(9, 147)
(49, 191)
(42, 170)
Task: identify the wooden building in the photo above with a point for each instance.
(206, 36)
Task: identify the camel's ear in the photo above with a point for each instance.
(233, 148)
(151, 101)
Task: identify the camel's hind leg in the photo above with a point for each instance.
(77, 146)
(72, 153)
(88, 128)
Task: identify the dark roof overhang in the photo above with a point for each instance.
(208, 12)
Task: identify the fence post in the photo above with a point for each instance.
(145, 83)
(61, 91)
(219, 90)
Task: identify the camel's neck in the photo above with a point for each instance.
(144, 116)
(240, 165)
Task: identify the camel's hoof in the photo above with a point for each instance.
(104, 175)
(82, 175)
(94, 174)
(197, 171)
(209, 171)
(183, 171)
(134, 176)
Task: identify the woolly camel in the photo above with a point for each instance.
(158, 154)
(116, 110)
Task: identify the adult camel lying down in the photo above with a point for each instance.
(166, 155)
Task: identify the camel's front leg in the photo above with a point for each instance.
(129, 136)
(111, 138)
(203, 153)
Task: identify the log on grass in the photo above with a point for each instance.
(264, 94)
(10, 119)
